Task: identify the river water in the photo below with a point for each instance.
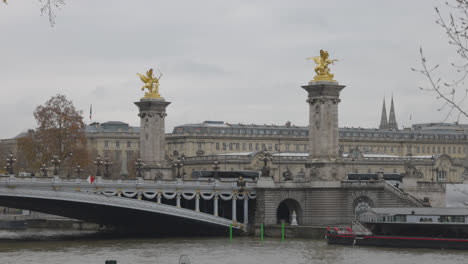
(73, 247)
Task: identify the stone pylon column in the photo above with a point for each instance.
(152, 138)
(323, 99)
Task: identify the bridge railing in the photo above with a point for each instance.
(152, 191)
(363, 183)
(226, 183)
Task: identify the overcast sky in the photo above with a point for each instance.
(237, 61)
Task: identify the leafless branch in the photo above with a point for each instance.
(49, 7)
(452, 93)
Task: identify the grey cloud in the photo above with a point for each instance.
(241, 61)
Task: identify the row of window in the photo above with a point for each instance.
(259, 147)
(410, 149)
(117, 144)
(246, 147)
(302, 148)
(305, 132)
(242, 131)
(117, 154)
(399, 135)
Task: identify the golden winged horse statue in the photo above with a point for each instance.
(151, 83)
(322, 70)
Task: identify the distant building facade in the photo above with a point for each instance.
(217, 137)
(425, 153)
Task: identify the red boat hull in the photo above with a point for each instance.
(412, 242)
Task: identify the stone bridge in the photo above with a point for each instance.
(325, 203)
(162, 206)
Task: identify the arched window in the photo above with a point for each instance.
(441, 176)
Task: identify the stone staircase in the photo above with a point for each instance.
(404, 195)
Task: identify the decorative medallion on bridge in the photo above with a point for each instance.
(361, 207)
(322, 70)
(151, 83)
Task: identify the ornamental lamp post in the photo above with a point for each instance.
(98, 162)
(265, 160)
(71, 164)
(432, 169)
(10, 161)
(107, 164)
(78, 170)
(177, 164)
(216, 168)
(56, 162)
(265, 169)
(241, 185)
(183, 166)
(44, 170)
(139, 167)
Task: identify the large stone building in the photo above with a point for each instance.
(218, 137)
(236, 146)
(425, 153)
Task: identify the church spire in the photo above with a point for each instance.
(383, 119)
(392, 124)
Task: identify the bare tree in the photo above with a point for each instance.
(452, 94)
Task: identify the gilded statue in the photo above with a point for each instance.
(151, 83)
(322, 70)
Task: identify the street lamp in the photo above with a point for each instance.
(139, 167)
(432, 169)
(216, 168)
(177, 164)
(241, 185)
(78, 170)
(183, 166)
(265, 160)
(56, 162)
(265, 169)
(107, 164)
(98, 161)
(70, 157)
(44, 170)
(10, 160)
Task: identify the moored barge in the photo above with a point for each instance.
(422, 227)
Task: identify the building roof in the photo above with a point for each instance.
(422, 211)
(111, 127)
(22, 134)
(440, 126)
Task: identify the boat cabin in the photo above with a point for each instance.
(447, 215)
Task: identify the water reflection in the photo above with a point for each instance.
(73, 247)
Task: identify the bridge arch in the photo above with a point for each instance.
(285, 209)
(113, 210)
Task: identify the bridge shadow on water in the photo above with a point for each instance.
(50, 235)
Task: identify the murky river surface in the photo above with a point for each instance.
(73, 247)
